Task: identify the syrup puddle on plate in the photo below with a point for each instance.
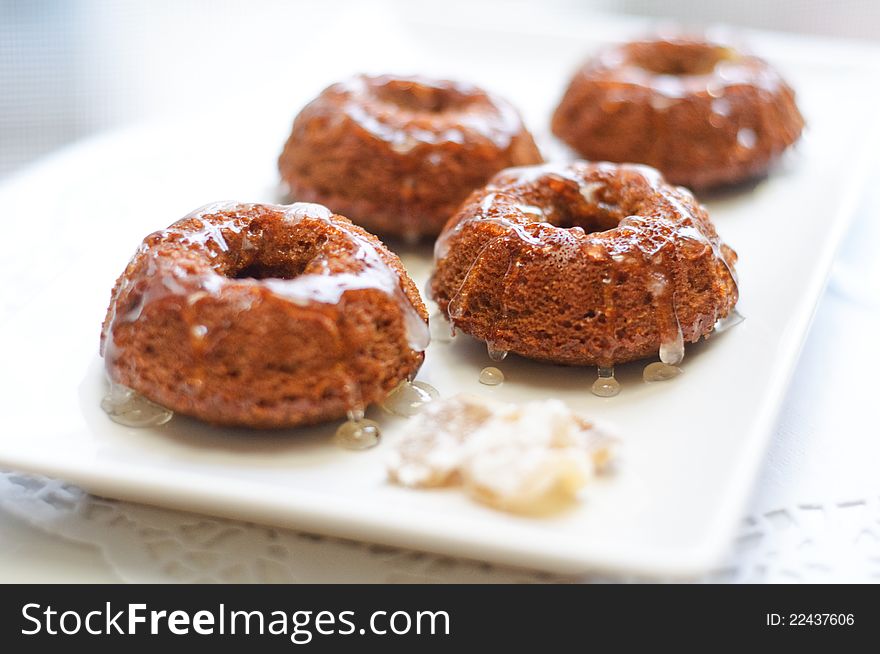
(127, 407)
(606, 385)
(491, 376)
(357, 433)
(408, 398)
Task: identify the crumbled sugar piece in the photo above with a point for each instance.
(526, 457)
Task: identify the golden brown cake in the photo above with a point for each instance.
(702, 113)
(583, 264)
(399, 154)
(263, 316)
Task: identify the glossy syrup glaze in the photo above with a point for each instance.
(400, 153)
(408, 111)
(674, 69)
(618, 230)
(705, 113)
(239, 261)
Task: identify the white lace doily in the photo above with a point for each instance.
(831, 542)
(146, 544)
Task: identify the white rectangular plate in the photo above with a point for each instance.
(691, 447)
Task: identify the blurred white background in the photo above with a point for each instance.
(69, 69)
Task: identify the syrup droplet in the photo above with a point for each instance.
(659, 371)
(357, 433)
(409, 398)
(606, 385)
(496, 354)
(731, 320)
(747, 138)
(672, 351)
(455, 309)
(491, 376)
(441, 330)
(128, 407)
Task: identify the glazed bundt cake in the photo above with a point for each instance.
(702, 113)
(399, 154)
(583, 264)
(263, 316)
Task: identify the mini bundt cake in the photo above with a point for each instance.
(702, 113)
(263, 316)
(399, 154)
(583, 264)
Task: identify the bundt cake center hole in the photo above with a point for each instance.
(678, 58)
(411, 96)
(589, 205)
(271, 253)
(593, 220)
(275, 270)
